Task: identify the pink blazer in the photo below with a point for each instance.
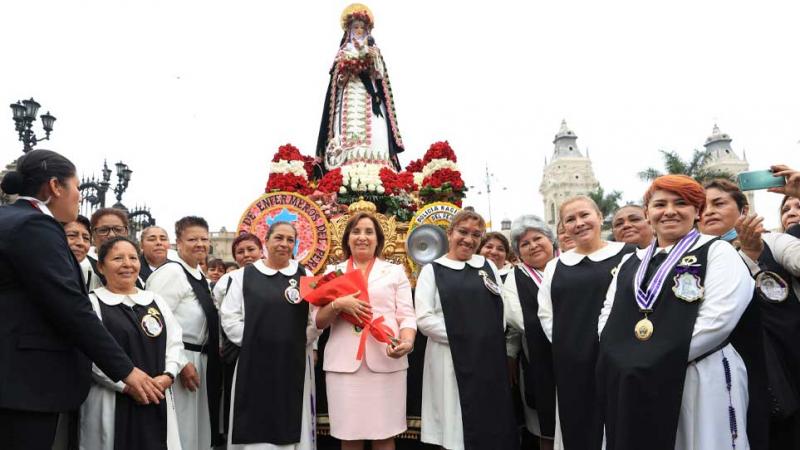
(390, 297)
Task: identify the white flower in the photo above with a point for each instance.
(436, 164)
(371, 187)
(380, 190)
(342, 189)
(418, 177)
(353, 186)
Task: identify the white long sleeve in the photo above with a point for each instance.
(428, 306)
(515, 321)
(174, 357)
(97, 375)
(545, 301)
(728, 291)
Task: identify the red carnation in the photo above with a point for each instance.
(288, 182)
(439, 150)
(288, 152)
(415, 166)
(442, 176)
(331, 181)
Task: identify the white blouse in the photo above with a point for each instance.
(170, 282)
(570, 258)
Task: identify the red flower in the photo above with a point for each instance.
(439, 150)
(287, 182)
(415, 166)
(288, 152)
(442, 176)
(394, 182)
(331, 181)
(308, 164)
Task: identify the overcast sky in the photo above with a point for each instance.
(196, 96)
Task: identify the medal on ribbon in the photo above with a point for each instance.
(644, 328)
(771, 287)
(292, 293)
(151, 323)
(489, 283)
(534, 274)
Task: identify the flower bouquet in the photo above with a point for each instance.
(323, 289)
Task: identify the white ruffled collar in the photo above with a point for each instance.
(141, 297)
(289, 270)
(572, 257)
(476, 261)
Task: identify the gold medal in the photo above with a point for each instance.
(643, 329)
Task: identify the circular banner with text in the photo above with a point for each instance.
(313, 229)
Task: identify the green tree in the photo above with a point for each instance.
(607, 202)
(694, 167)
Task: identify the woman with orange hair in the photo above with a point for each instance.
(667, 374)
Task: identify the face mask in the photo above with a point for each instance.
(730, 235)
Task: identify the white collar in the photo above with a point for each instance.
(507, 268)
(141, 297)
(572, 257)
(476, 261)
(699, 243)
(289, 270)
(42, 206)
(194, 271)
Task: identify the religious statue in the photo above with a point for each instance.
(358, 119)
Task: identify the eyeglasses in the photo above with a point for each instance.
(105, 231)
(76, 235)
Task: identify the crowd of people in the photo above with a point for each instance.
(680, 331)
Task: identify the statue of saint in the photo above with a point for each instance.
(358, 120)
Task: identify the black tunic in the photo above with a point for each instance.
(781, 323)
(214, 367)
(268, 403)
(540, 387)
(577, 294)
(640, 383)
(137, 426)
(473, 319)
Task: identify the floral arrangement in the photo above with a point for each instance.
(287, 171)
(440, 178)
(433, 178)
(354, 64)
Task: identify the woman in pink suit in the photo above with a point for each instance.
(367, 397)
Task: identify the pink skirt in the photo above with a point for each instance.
(366, 405)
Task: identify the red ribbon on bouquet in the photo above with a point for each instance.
(323, 289)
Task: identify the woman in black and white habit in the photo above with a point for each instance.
(143, 325)
(534, 243)
(273, 387)
(466, 397)
(570, 298)
(184, 288)
(667, 374)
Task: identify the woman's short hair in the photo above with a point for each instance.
(463, 216)
(529, 222)
(147, 230)
(83, 221)
(349, 228)
(498, 236)
(681, 185)
(122, 215)
(104, 249)
(246, 237)
(277, 224)
(579, 198)
(731, 189)
(230, 265)
(34, 169)
(189, 221)
(216, 263)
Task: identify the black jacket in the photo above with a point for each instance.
(47, 324)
